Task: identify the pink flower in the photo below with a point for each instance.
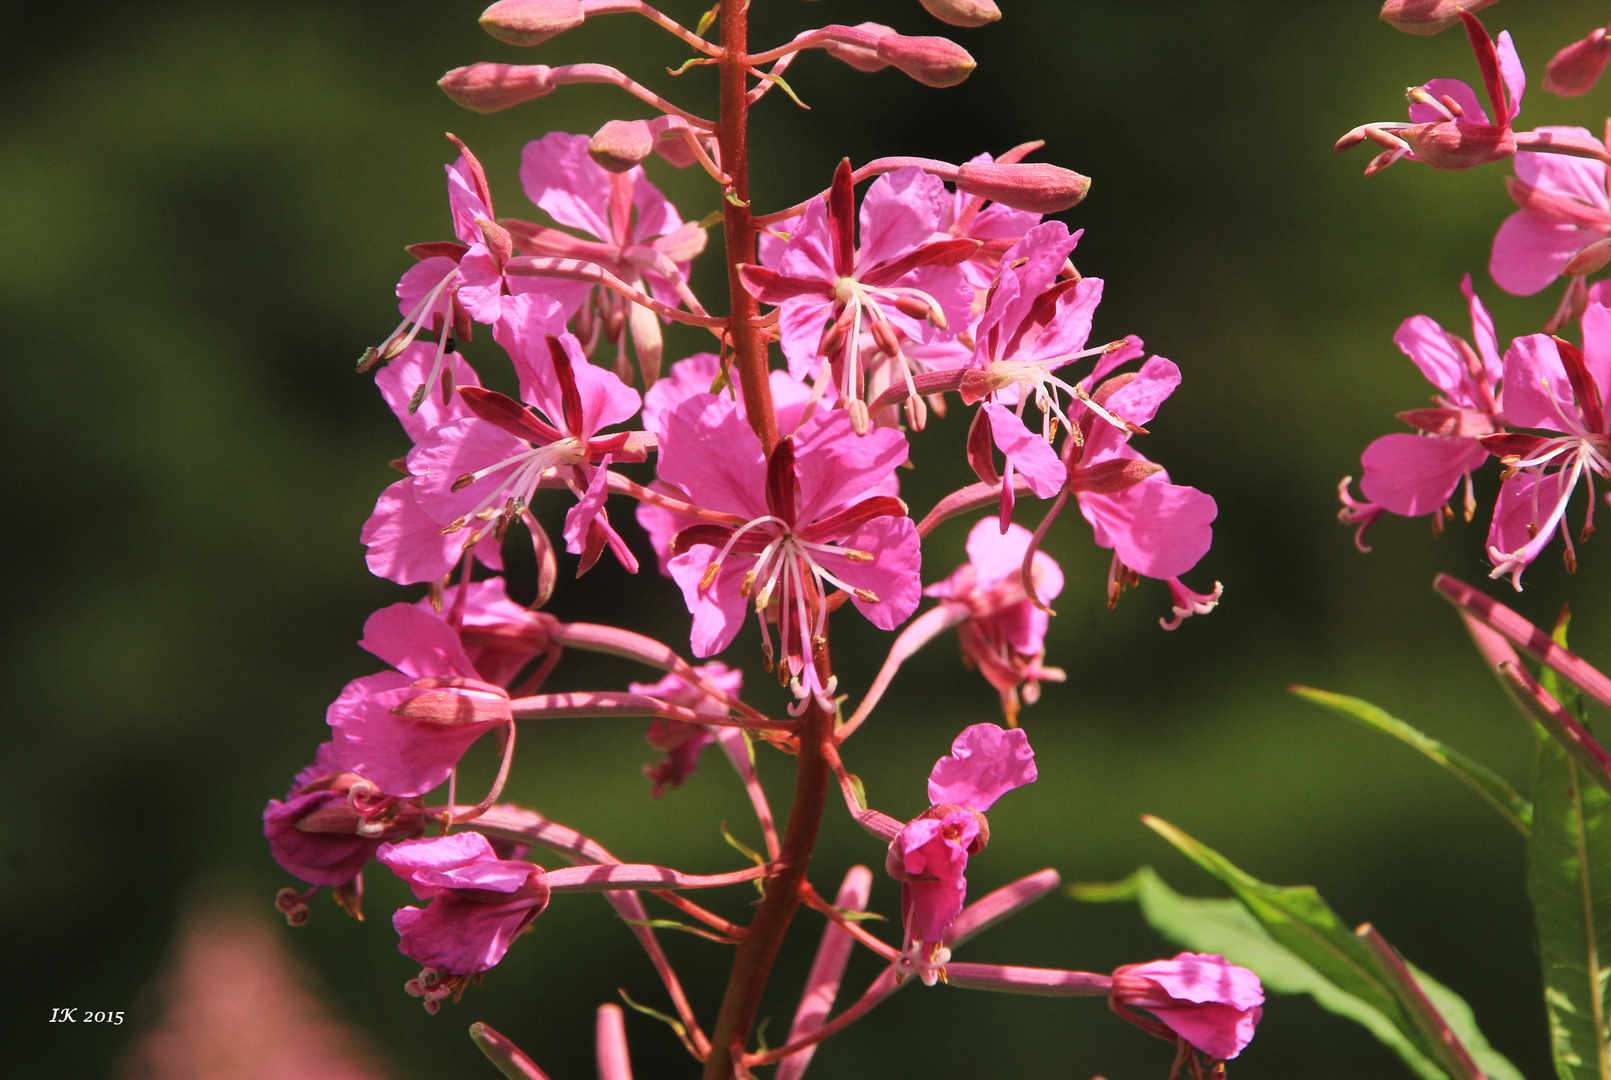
(802, 521)
(1564, 209)
(481, 472)
(319, 835)
(1549, 384)
(1201, 999)
(1448, 128)
(682, 740)
(479, 904)
(405, 730)
(930, 854)
(499, 636)
(636, 235)
(1004, 633)
(1413, 475)
(899, 278)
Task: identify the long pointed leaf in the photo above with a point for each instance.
(1483, 780)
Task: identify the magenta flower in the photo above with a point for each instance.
(479, 904)
(1412, 475)
(481, 472)
(1563, 209)
(930, 854)
(1201, 999)
(829, 290)
(405, 730)
(636, 234)
(802, 521)
(1550, 384)
(1003, 633)
(500, 637)
(683, 741)
(1448, 127)
(318, 835)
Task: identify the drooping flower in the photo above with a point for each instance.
(929, 856)
(322, 833)
(636, 234)
(1550, 384)
(479, 904)
(481, 472)
(828, 289)
(405, 730)
(1200, 999)
(1004, 633)
(802, 520)
(1412, 475)
(1563, 209)
(683, 741)
(1448, 128)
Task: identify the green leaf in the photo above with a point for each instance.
(670, 1021)
(1490, 785)
(1566, 693)
(674, 924)
(747, 851)
(1227, 928)
(1299, 920)
(1569, 882)
(711, 220)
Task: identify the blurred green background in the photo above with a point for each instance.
(204, 210)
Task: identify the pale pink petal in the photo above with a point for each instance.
(464, 203)
(1461, 92)
(416, 642)
(1582, 179)
(1029, 452)
(1531, 250)
(663, 525)
(563, 180)
(708, 450)
(579, 519)
(403, 757)
(1139, 400)
(405, 544)
(408, 859)
(800, 326)
(1512, 74)
(1537, 392)
(1482, 333)
(835, 467)
(900, 212)
(995, 555)
(719, 610)
(693, 375)
(986, 762)
(419, 282)
(1413, 475)
(809, 253)
(654, 215)
(400, 377)
(1158, 529)
(457, 449)
(1437, 353)
(1597, 347)
(893, 575)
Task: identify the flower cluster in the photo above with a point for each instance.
(764, 491)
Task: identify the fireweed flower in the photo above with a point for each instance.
(930, 854)
(828, 289)
(1564, 208)
(636, 234)
(803, 519)
(500, 637)
(321, 832)
(479, 904)
(1200, 999)
(405, 544)
(482, 472)
(683, 741)
(1550, 384)
(405, 730)
(1003, 633)
(1412, 475)
(1448, 128)
(996, 226)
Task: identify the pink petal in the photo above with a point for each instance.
(464, 203)
(416, 642)
(1139, 400)
(900, 211)
(403, 757)
(1220, 1031)
(1461, 92)
(454, 450)
(1438, 354)
(562, 179)
(1511, 72)
(1413, 475)
(1582, 179)
(718, 611)
(1200, 978)
(986, 762)
(894, 574)
(1482, 333)
(836, 467)
(405, 544)
(708, 450)
(579, 519)
(1537, 392)
(1525, 521)
(809, 253)
(1158, 529)
(410, 858)
(995, 555)
(400, 377)
(1597, 347)
(1531, 250)
(1031, 454)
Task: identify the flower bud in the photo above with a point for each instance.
(531, 22)
(1575, 69)
(1036, 187)
(487, 88)
(963, 12)
(932, 61)
(1591, 260)
(859, 57)
(621, 144)
(1427, 16)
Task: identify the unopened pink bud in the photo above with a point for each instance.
(1427, 16)
(531, 22)
(487, 88)
(932, 61)
(621, 144)
(859, 57)
(1035, 187)
(1576, 68)
(963, 12)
